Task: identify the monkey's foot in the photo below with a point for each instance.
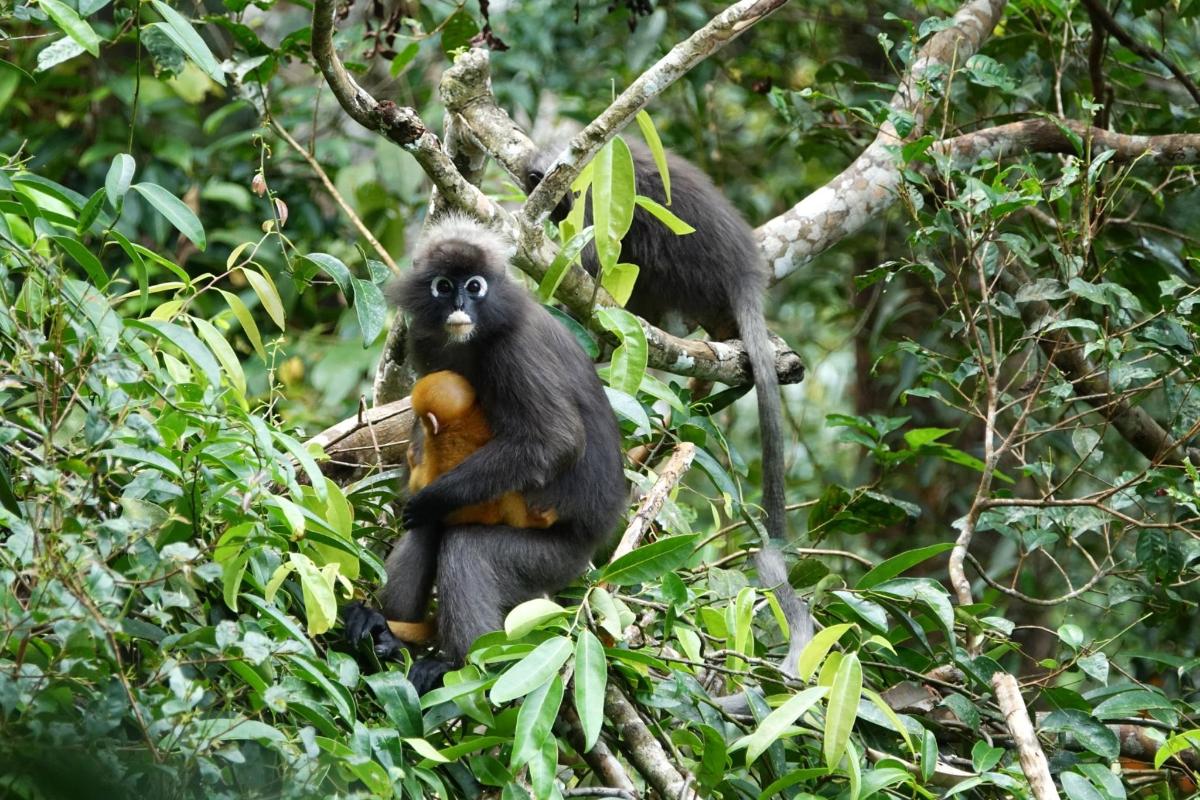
(426, 674)
(365, 624)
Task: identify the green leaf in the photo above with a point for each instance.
(180, 30)
(246, 320)
(665, 216)
(318, 587)
(629, 359)
(650, 560)
(619, 279)
(650, 134)
(842, 709)
(65, 17)
(613, 193)
(120, 176)
(778, 721)
(187, 342)
(899, 564)
(57, 52)
(399, 700)
(90, 212)
(1177, 744)
(591, 679)
(84, 257)
(404, 57)
(815, 651)
(174, 210)
(224, 353)
(309, 464)
(535, 719)
(371, 309)
(1078, 787)
(567, 255)
(529, 615)
(532, 671)
(334, 268)
(457, 32)
(268, 295)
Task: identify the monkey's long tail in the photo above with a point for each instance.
(772, 571)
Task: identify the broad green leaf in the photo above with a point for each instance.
(318, 587)
(1177, 744)
(404, 57)
(1077, 787)
(619, 279)
(371, 309)
(181, 32)
(629, 359)
(238, 729)
(543, 768)
(84, 257)
(665, 216)
(399, 700)
(268, 295)
(72, 25)
(530, 614)
(650, 134)
(842, 709)
(778, 721)
(650, 561)
(613, 193)
(224, 353)
(57, 52)
(567, 255)
(897, 565)
(532, 671)
(119, 178)
(591, 679)
(299, 452)
(174, 210)
(426, 750)
(334, 268)
(187, 342)
(815, 651)
(249, 326)
(535, 719)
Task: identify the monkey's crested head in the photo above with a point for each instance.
(446, 395)
(458, 286)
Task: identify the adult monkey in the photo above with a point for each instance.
(554, 440)
(716, 278)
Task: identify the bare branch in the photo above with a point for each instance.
(1050, 136)
(642, 749)
(604, 763)
(722, 29)
(377, 438)
(1033, 760)
(868, 186)
(670, 474)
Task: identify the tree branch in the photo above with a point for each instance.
(868, 186)
(642, 749)
(668, 476)
(722, 29)
(1051, 136)
(1033, 759)
(1099, 13)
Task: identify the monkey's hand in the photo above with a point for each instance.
(365, 624)
(423, 509)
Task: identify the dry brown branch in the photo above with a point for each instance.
(376, 438)
(1016, 716)
(1044, 135)
(670, 474)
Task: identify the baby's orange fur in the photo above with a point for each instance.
(454, 427)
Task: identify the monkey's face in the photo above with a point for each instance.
(461, 299)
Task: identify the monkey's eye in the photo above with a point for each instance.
(476, 286)
(441, 287)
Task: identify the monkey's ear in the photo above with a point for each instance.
(433, 422)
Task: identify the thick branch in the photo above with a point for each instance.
(604, 763)
(374, 438)
(722, 29)
(1050, 136)
(1033, 759)
(868, 186)
(641, 748)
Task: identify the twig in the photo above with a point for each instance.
(670, 474)
(337, 196)
(600, 791)
(1099, 13)
(1033, 760)
(722, 29)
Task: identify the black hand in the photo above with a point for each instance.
(365, 624)
(426, 674)
(421, 510)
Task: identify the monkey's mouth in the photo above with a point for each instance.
(459, 326)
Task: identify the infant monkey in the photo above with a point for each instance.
(453, 427)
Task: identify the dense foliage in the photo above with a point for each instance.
(184, 301)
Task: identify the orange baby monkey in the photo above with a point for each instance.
(454, 427)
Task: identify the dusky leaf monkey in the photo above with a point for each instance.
(717, 278)
(453, 426)
(554, 440)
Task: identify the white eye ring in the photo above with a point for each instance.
(440, 286)
(482, 283)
